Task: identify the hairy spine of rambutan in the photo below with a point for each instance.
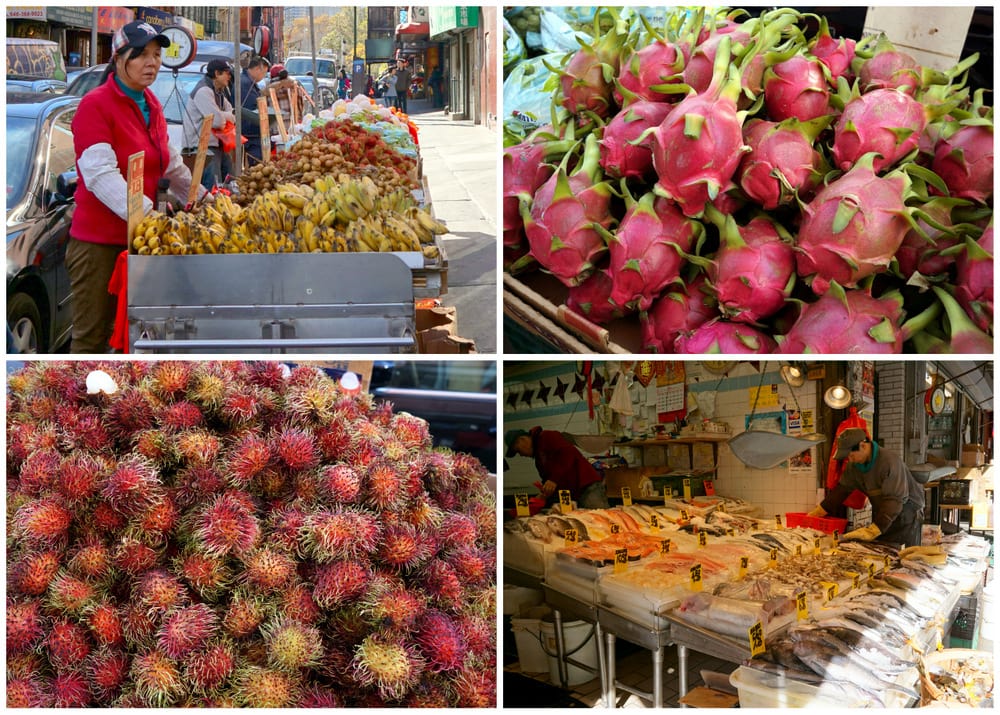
(296, 602)
(310, 405)
(139, 625)
(105, 518)
(457, 531)
(403, 547)
(133, 486)
(196, 483)
(170, 378)
(134, 557)
(181, 415)
(157, 523)
(315, 695)
(475, 688)
(131, 409)
(340, 483)
(441, 582)
(187, 629)
(160, 591)
(337, 583)
(29, 691)
(79, 478)
(440, 641)
(226, 525)
(471, 565)
(157, 678)
(38, 472)
(388, 604)
(266, 688)
(70, 595)
(69, 690)
(209, 669)
(387, 665)
(198, 446)
(207, 575)
(296, 448)
(157, 445)
(32, 572)
(383, 485)
(25, 625)
(105, 624)
(333, 534)
(244, 614)
(240, 406)
(266, 570)
(247, 458)
(82, 428)
(106, 670)
(291, 645)
(43, 522)
(67, 644)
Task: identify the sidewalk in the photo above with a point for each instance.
(460, 161)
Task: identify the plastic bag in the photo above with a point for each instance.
(557, 36)
(227, 137)
(513, 46)
(527, 102)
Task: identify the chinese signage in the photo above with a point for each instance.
(110, 19)
(26, 12)
(448, 17)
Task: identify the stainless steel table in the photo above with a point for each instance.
(617, 625)
(562, 603)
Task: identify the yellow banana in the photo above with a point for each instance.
(431, 252)
(430, 223)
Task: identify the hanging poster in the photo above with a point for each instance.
(799, 423)
(764, 396)
(670, 392)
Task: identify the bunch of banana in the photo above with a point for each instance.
(425, 225)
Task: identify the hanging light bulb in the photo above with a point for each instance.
(793, 375)
(837, 397)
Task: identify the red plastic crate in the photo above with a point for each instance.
(822, 523)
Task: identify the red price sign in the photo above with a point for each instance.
(134, 196)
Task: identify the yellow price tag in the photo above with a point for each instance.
(871, 569)
(816, 548)
(801, 606)
(687, 490)
(571, 536)
(702, 539)
(730, 532)
(887, 560)
(665, 546)
(626, 496)
(521, 505)
(830, 589)
(621, 560)
(744, 564)
(654, 521)
(855, 579)
(696, 577)
(684, 515)
(777, 521)
(798, 549)
(565, 501)
(615, 528)
(836, 538)
(773, 561)
(755, 636)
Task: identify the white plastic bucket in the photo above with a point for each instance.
(517, 599)
(575, 635)
(528, 638)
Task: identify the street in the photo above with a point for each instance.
(460, 162)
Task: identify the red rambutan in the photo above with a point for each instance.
(247, 458)
(69, 690)
(297, 603)
(208, 669)
(404, 547)
(83, 428)
(207, 389)
(387, 665)
(33, 572)
(29, 691)
(160, 591)
(333, 534)
(271, 483)
(25, 625)
(383, 486)
(243, 615)
(134, 557)
(441, 582)
(240, 406)
(266, 373)
(181, 415)
(336, 583)
(43, 522)
(70, 595)
(440, 641)
(315, 695)
(157, 678)
(267, 570)
(196, 483)
(207, 575)
(106, 518)
(333, 440)
(106, 624)
(171, 378)
(131, 409)
(457, 531)
(138, 624)
(67, 644)
(389, 605)
(226, 525)
(475, 688)
(80, 476)
(471, 565)
(341, 483)
(291, 645)
(133, 486)
(187, 629)
(296, 448)
(266, 688)
(39, 472)
(157, 522)
(106, 670)
(198, 446)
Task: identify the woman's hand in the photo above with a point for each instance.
(549, 488)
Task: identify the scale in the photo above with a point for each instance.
(182, 50)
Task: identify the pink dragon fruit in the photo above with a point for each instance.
(796, 88)
(922, 252)
(850, 322)
(853, 227)
(626, 146)
(964, 160)
(753, 272)
(680, 310)
(889, 68)
(885, 121)
(566, 212)
(698, 146)
(650, 73)
(699, 70)
(524, 171)
(974, 279)
(783, 161)
(648, 249)
(587, 81)
(836, 53)
(591, 299)
(964, 336)
(719, 336)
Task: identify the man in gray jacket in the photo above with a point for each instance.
(208, 98)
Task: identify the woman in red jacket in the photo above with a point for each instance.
(115, 120)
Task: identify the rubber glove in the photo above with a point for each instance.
(865, 533)
(817, 511)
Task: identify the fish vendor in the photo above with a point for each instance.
(560, 465)
(896, 496)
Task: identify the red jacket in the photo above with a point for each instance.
(558, 459)
(106, 115)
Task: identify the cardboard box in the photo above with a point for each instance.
(973, 455)
(437, 332)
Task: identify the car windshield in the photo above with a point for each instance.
(174, 96)
(20, 150)
(302, 65)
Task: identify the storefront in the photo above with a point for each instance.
(71, 28)
(456, 28)
(710, 533)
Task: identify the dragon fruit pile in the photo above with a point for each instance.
(228, 534)
(755, 184)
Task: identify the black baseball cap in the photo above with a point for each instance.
(136, 35)
(217, 65)
(510, 437)
(848, 440)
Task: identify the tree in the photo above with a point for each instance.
(342, 28)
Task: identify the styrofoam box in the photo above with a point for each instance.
(758, 689)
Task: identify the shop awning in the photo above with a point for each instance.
(413, 28)
(976, 380)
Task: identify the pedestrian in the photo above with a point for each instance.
(343, 85)
(436, 81)
(403, 77)
(208, 98)
(370, 87)
(389, 94)
(115, 120)
(287, 90)
(896, 496)
(257, 69)
(560, 465)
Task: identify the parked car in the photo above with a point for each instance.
(41, 179)
(173, 93)
(31, 57)
(17, 83)
(326, 68)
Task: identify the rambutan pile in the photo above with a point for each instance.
(222, 534)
